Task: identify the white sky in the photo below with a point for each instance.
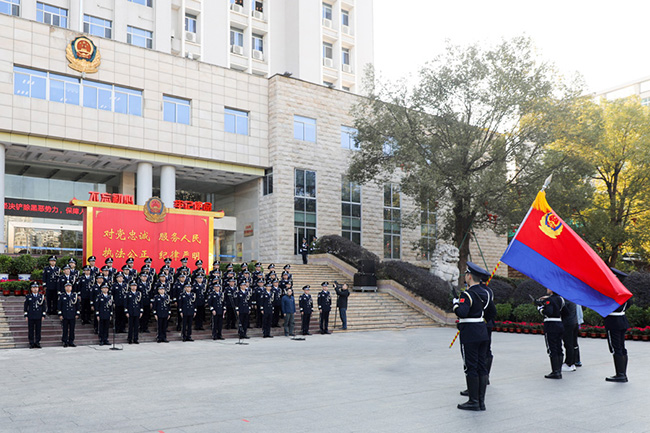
(604, 41)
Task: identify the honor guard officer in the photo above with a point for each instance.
(271, 274)
(240, 276)
(266, 307)
(177, 291)
(161, 309)
(96, 290)
(229, 293)
(287, 271)
(306, 308)
(51, 283)
(144, 287)
(120, 289)
(168, 263)
(215, 274)
(128, 276)
(111, 270)
(65, 278)
(551, 306)
(324, 306)
(277, 303)
(104, 313)
(163, 281)
(74, 272)
(616, 324)
(470, 308)
(152, 271)
(182, 268)
(106, 272)
(217, 311)
(133, 310)
(86, 282)
(188, 310)
(198, 287)
(199, 270)
(256, 291)
(132, 271)
(68, 310)
(242, 300)
(94, 270)
(258, 274)
(34, 313)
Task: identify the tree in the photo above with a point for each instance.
(462, 137)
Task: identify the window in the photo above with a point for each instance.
(258, 42)
(267, 184)
(139, 37)
(327, 50)
(304, 207)
(236, 121)
(257, 6)
(327, 11)
(237, 2)
(176, 110)
(392, 221)
(645, 101)
(349, 138)
(428, 231)
(76, 91)
(236, 37)
(351, 211)
(51, 15)
(143, 2)
(190, 23)
(346, 88)
(98, 26)
(304, 128)
(345, 18)
(345, 56)
(10, 7)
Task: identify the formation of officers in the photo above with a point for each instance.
(130, 299)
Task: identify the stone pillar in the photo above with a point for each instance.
(127, 183)
(168, 185)
(3, 241)
(144, 182)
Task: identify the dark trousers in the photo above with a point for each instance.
(324, 321)
(474, 354)
(199, 317)
(243, 323)
(266, 323)
(306, 317)
(146, 315)
(68, 330)
(104, 325)
(553, 343)
(86, 312)
(570, 339)
(276, 316)
(304, 258)
(179, 320)
(616, 341)
(187, 326)
(162, 328)
(50, 295)
(217, 324)
(34, 332)
(120, 318)
(231, 318)
(134, 325)
(344, 317)
(255, 312)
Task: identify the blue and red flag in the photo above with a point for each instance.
(547, 250)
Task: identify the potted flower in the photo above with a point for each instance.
(5, 288)
(18, 288)
(5, 266)
(23, 266)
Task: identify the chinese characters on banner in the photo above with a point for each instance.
(122, 234)
(42, 209)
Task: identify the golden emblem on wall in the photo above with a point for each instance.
(83, 55)
(154, 210)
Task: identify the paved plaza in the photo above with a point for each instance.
(388, 381)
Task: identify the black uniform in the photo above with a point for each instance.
(303, 251)
(277, 305)
(199, 290)
(306, 308)
(551, 308)
(616, 324)
(161, 309)
(266, 308)
(120, 291)
(324, 306)
(187, 304)
(570, 334)
(231, 318)
(133, 307)
(86, 284)
(176, 292)
(68, 310)
(94, 291)
(50, 283)
(34, 312)
(104, 312)
(145, 289)
(216, 304)
(242, 300)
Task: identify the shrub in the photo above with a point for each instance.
(23, 264)
(525, 288)
(15, 285)
(5, 263)
(345, 250)
(420, 281)
(502, 290)
(636, 316)
(638, 283)
(526, 313)
(592, 318)
(63, 260)
(37, 274)
(503, 311)
(237, 267)
(42, 261)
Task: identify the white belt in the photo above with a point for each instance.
(617, 313)
(471, 320)
(552, 319)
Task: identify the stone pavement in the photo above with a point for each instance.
(386, 381)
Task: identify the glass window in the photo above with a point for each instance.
(327, 11)
(190, 23)
(304, 128)
(328, 50)
(98, 26)
(258, 42)
(143, 2)
(139, 37)
(51, 15)
(237, 2)
(267, 184)
(428, 230)
(236, 37)
(349, 138)
(345, 18)
(304, 207)
(98, 95)
(10, 7)
(345, 56)
(236, 121)
(29, 82)
(128, 101)
(351, 210)
(64, 89)
(392, 222)
(176, 110)
(257, 6)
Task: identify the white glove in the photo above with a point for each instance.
(455, 300)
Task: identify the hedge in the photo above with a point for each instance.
(345, 250)
(418, 280)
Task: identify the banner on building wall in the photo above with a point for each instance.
(42, 209)
(126, 231)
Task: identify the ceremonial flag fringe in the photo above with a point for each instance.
(547, 250)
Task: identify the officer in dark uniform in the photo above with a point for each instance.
(324, 306)
(86, 283)
(108, 277)
(616, 324)
(95, 291)
(229, 293)
(144, 287)
(258, 274)
(152, 271)
(104, 313)
(266, 308)
(287, 271)
(256, 291)
(552, 306)
(34, 312)
(214, 275)
(64, 278)
(161, 309)
(129, 274)
(94, 270)
(242, 305)
(68, 310)
(119, 290)
(132, 271)
(244, 268)
(303, 250)
(306, 308)
(50, 283)
(271, 272)
(198, 287)
(277, 302)
(74, 272)
(133, 310)
(172, 271)
(177, 291)
(217, 311)
(111, 270)
(182, 268)
(163, 281)
(199, 270)
(188, 310)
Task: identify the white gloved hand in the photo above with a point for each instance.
(455, 300)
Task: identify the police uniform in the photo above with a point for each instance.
(266, 308)
(94, 270)
(119, 291)
(216, 304)
(50, 284)
(133, 309)
(198, 288)
(199, 270)
(182, 268)
(257, 274)
(187, 305)
(229, 293)
(287, 271)
(161, 310)
(257, 290)
(616, 324)
(34, 312)
(68, 310)
(104, 313)
(74, 272)
(551, 307)
(277, 303)
(65, 278)
(171, 270)
(176, 292)
(144, 287)
(111, 270)
(242, 300)
(94, 291)
(86, 283)
(324, 306)
(303, 250)
(306, 308)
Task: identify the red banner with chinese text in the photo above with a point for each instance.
(121, 233)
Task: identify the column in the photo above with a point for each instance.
(3, 241)
(168, 185)
(144, 183)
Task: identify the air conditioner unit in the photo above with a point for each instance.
(327, 23)
(189, 55)
(328, 62)
(190, 36)
(346, 30)
(258, 55)
(347, 68)
(236, 49)
(258, 15)
(237, 8)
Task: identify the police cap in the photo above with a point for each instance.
(477, 271)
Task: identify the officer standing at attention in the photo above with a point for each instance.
(198, 287)
(94, 270)
(306, 308)
(161, 306)
(119, 291)
(304, 250)
(95, 291)
(68, 308)
(266, 308)
(177, 291)
(86, 282)
(324, 306)
(50, 283)
(616, 324)
(144, 287)
(188, 310)
(133, 310)
(74, 272)
(104, 312)
(242, 300)
(470, 307)
(229, 293)
(34, 313)
(217, 312)
(551, 306)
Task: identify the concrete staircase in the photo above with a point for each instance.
(366, 311)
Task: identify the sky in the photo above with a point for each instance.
(604, 41)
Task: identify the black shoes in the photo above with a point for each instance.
(556, 367)
(620, 362)
(473, 390)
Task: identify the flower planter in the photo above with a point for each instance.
(26, 292)
(4, 277)
(593, 335)
(603, 335)
(526, 331)
(6, 292)
(645, 337)
(24, 277)
(583, 334)
(18, 292)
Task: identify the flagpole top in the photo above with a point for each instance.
(547, 182)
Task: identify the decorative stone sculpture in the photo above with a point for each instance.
(445, 263)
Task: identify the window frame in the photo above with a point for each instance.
(176, 102)
(345, 13)
(304, 200)
(237, 32)
(391, 251)
(303, 123)
(348, 201)
(191, 19)
(42, 13)
(267, 181)
(348, 138)
(346, 52)
(139, 33)
(327, 9)
(328, 46)
(255, 37)
(147, 3)
(237, 115)
(88, 21)
(12, 6)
